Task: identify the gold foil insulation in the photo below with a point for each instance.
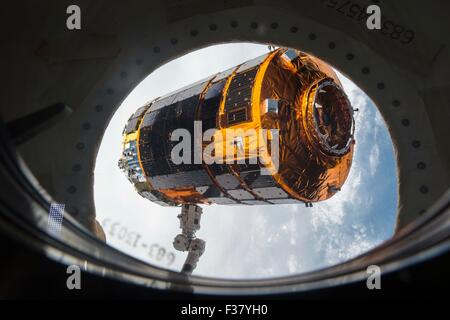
(287, 90)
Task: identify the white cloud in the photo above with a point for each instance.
(293, 265)
(374, 159)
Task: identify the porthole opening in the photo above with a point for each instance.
(256, 241)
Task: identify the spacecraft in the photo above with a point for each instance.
(278, 129)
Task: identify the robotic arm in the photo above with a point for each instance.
(186, 241)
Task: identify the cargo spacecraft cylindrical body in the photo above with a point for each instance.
(276, 129)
